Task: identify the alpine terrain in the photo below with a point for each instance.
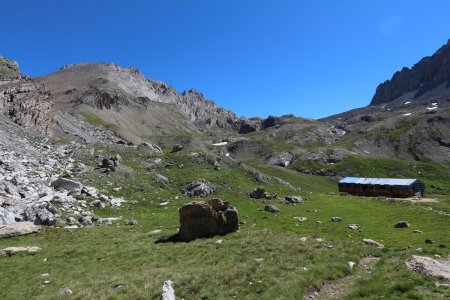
(117, 186)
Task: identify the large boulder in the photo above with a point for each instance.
(18, 228)
(198, 188)
(73, 187)
(205, 219)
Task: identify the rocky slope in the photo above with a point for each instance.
(24, 101)
(429, 77)
(132, 105)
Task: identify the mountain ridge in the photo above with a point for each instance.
(422, 78)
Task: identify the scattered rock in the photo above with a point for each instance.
(294, 199)
(162, 179)
(442, 246)
(401, 224)
(131, 222)
(271, 208)
(85, 220)
(373, 243)
(353, 226)
(198, 188)
(429, 241)
(429, 267)
(351, 264)
(168, 291)
(151, 165)
(301, 219)
(177, 148)
(13, 250)
(71, 221)
(110, 164)
(336, 219)
(205, 219)
(65, 291)
(151, 147)
(417, 231)
(260, 193)
(98, 204)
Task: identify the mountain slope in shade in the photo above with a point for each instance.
(429, 77)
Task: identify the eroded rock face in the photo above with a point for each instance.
(25, 102)
(205, 219)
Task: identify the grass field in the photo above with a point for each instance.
(266, 259)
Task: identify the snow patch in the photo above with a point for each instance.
(220, 144)
(408, 102)
(407, 114)
(431, 108)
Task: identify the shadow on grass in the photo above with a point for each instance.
(175, 238)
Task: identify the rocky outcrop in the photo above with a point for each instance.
(429, 267)
(282, 159)
(427, 74)
(205, 219)
(24, 101)
(198, 188)
(324, 156)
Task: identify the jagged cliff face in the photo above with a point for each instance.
(25, 102)
(430, 73)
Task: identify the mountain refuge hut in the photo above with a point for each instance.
(387, 187)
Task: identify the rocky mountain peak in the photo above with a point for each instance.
(429, 73)
(98, 82)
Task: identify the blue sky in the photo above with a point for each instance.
(257, 58)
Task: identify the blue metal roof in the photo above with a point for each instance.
(380, 181)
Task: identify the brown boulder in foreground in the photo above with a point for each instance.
(205, 219)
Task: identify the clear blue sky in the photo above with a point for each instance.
(257, 58)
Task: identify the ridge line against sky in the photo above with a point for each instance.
(256, 58)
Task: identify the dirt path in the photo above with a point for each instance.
(337, 288)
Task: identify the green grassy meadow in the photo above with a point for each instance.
(266, 259)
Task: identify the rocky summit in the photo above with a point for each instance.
(100, 166)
